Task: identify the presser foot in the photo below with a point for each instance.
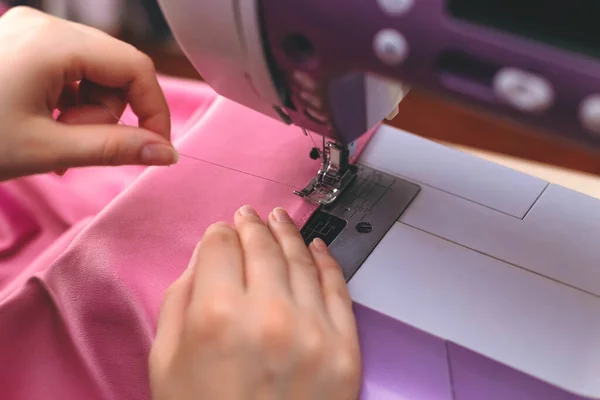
(333, 177)
(355, 217)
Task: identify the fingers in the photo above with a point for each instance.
(90, 77)
(85, 103)
(69, 146)
(87, 115)
(113, 100)
(84, 53)
(335, 292)
(122, 67)
(304, 276)
(218, 263)
(95, 105)
(69, 96)
(266, 267)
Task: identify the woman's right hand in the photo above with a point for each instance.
(257, 315)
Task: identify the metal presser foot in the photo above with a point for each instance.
(334, 176)
(358, 206)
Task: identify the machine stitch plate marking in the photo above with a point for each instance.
(354, 225)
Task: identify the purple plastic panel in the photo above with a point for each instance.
(401, 362)
(478, 378)
(347, 96)
(340, 33)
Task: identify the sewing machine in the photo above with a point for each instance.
(471, 281)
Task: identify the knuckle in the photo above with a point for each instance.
(275, 328)
(221, 233)
(171, 292)
(220, 310)
(346, 367)
(250, 225)
(330, 264)
(260, 237)
(303, 262)
(339, 292)
(174, 289)
(22, 12)
(145, 63)
(313, 343)
(214, 318)
(267, 248)
(31, 23)
(111, 152)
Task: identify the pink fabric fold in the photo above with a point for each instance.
(17, 225)
(80, 321)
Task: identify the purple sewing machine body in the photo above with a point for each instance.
(454, 48)
(476, 282)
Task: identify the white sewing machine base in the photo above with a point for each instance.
(486, 288)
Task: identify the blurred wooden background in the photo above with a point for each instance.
(434, 119)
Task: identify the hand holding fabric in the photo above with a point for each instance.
(257, 315)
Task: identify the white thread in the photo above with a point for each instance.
(199, 159)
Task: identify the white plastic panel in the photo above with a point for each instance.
(523, 320)
(558, 239)
(382, 96)
(452, 171)
(224, 46)
(258, 70)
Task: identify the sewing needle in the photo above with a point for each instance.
(306, 133)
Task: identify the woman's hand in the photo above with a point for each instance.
(49, 64)
(257, 315)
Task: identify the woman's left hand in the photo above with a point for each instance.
(49, 64)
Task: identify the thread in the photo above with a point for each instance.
(120, 121)
(306, 133)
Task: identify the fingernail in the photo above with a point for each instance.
(320, 246)
(281, 215)
(158, 154)
(247, 211)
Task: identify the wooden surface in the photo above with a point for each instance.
(442, 121)
(435, 119)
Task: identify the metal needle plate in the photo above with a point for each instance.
(354, 225)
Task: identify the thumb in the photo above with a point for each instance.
(69, 146)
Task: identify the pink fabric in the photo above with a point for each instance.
(36, 211)
(78, 321)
